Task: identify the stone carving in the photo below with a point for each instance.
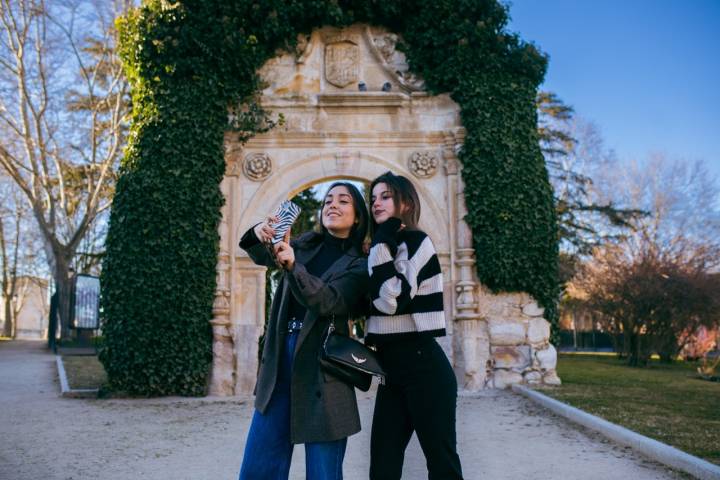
(221, 306)
(234, 168)
(342, 62)
(450, 153)
(343, 160)
(383, 44)
(304, 48)
(222, 378)
(257, 166)
(233, 163)
(423, 164)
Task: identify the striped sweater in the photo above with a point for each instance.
(406, 289)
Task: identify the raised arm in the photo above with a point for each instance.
(252, 244)
(399, 273)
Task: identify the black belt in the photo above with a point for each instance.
(294, 325)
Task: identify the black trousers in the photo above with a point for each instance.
(420, 396)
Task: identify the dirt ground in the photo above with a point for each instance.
(44, 436)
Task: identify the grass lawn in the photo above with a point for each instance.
(665, 402)
(84, 371)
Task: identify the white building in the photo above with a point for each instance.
(32, 298)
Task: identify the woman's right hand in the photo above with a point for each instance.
(264, 230)
(387, 231)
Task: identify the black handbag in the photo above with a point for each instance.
(349, 360)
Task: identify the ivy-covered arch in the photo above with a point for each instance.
(190, 61)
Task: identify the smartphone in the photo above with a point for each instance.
(286, 214)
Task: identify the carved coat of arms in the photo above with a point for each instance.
(342, 63)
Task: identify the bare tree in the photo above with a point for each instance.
(9, 256)
(63, 107)
(19, 247)
(656, 285)
(575, 156)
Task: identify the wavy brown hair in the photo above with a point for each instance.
(404, 195)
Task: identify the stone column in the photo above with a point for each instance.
(249, 292)
(222, 376)
(471, 344)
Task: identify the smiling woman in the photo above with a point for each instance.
(344, 214)
(323, 279)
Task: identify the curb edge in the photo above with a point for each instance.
(65, 390)
(653, 449)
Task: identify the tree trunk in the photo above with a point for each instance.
(63, 283)
(637, 357)
(8, 330)
(632, 349)
(52, 321)
(668, 348)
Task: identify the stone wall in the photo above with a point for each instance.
(519, 339)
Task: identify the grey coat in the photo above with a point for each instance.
(322, 408)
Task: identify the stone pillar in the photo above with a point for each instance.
(470, 340)
(249, 319)
(222, 376)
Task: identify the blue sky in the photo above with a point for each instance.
(647, 72)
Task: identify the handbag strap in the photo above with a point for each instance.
(331, 329)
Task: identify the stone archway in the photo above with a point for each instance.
(334, 129)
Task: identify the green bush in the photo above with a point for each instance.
(191, 61)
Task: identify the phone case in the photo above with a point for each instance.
(286, 213)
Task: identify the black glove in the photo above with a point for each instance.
(387, 233)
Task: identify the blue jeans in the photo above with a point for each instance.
(268, 449)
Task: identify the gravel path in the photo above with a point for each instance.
(43, 436)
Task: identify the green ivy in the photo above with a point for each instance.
(191, 61)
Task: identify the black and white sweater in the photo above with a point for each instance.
(406, 288)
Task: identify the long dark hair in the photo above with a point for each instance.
(360, 227)
(404, 194)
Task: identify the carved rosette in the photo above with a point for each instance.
(423, 164)
(257, 166)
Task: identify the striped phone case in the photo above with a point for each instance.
(286, 213)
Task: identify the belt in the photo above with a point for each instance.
(294, 325)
